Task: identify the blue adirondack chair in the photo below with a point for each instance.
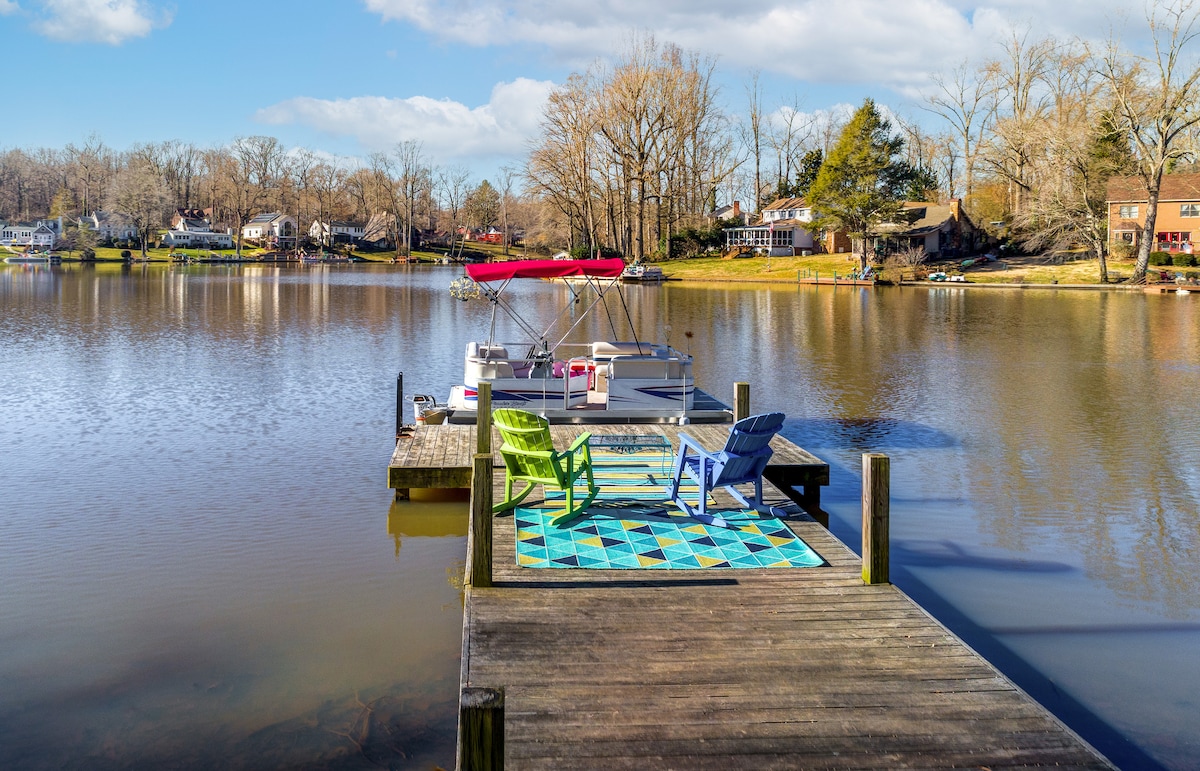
(741, 461)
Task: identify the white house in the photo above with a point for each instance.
(333, 232)
(108, 227)
(198, 238)
(42, 234)
(192, 219)
(731, 213)
(271, 228)
(784, 230)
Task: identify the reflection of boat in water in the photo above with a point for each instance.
(603, 381)
(639, 272)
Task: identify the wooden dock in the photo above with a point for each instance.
(779, 668)
(440, 456)
(836, 281)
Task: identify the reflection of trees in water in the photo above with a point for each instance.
(1071, 440)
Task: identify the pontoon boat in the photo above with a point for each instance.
(603, 381)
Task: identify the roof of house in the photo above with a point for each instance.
(270, 216)
(1174, 187)
(921, 217)
(786, 203)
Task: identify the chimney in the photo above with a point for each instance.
(737, 208)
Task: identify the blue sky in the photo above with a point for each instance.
(465, 77)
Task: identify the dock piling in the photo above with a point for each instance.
(483, 419)
(741, 401)
(399, 405)
(481, 729)
(479, 539)
(876, 492)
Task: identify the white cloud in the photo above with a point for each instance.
(99, 21)
(879, 42)
(448, 130)
(8, 6)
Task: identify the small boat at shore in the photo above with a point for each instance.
(600, 381)
(27, 259)
(641, 273)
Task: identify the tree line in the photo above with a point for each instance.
(145, 184)
(633, 156)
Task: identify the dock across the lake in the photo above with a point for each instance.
(769, 668)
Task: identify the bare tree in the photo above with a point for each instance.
(138, 196)
(752, 133)
(414, 180)
(454, 183)
(508, 175)
(965, 101)
(1155, 103)
(247, 176)
(1020, 88)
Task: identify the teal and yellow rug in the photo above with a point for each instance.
(632, 524)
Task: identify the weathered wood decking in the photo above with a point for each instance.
(735, 669)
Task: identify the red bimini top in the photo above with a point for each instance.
(501, 271)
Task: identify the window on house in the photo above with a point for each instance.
(1129, 212)
(1189, 210)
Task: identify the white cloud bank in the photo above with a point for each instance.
(447, 130)
(881, 42)
(99, 21)
(8, 6)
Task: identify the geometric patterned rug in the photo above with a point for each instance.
(633, 525)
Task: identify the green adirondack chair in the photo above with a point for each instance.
(529, 456)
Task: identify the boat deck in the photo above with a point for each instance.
(706, 408)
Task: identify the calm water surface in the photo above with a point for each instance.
(201, 565)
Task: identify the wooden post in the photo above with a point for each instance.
(399, 405)
(481, 729)
(479, 540)
(741, 401)
(876, 492)
(483, 419)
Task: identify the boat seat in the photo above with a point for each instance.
(628, 367)
(606, 349)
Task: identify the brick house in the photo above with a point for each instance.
(1177, 222)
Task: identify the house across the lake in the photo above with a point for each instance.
(1177, 221)
(940, 229)
(271, 229)
(39, 235)
(783, 230)
(332, 232)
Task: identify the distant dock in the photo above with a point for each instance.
(786, 668)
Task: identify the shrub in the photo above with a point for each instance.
(1160, 258)
(1120, 250)
(1182, 260)
(126, 254)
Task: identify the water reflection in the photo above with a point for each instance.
(199, 559)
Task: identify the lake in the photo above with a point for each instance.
(202, 565)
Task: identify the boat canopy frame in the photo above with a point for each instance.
(601, 275)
